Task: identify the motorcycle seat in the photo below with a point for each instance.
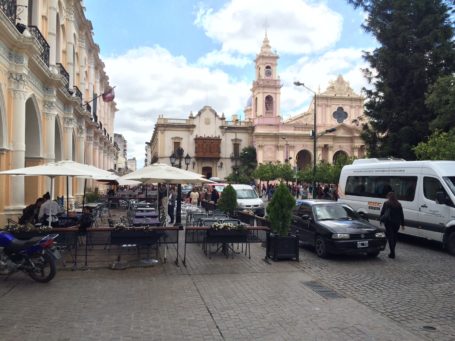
(18, 244)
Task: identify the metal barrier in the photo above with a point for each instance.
(198, 235)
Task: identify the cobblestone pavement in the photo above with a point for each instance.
(347, 298)
(416, 290)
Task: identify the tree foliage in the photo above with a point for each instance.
(248, 163)
(325, 172)
(416, 48)
(441, 99)
(279, 210)
(265, 172)
(440, 146)
(228, 201)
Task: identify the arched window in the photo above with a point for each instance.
(268, 71)
(268, 105)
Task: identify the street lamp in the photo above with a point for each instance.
(314, 133)
(177, 155)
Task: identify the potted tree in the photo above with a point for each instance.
(281, 245)
(228, 201)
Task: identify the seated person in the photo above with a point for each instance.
(30, 213)
(49, 208)
(86, 220)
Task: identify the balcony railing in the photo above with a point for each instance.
(88, 107)
(77, 93)
(64, 74)
(9, 8)
(42, 42)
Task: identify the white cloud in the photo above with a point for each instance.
(223, 57)
(151, 82)
(294, 26)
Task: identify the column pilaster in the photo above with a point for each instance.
(17, 82)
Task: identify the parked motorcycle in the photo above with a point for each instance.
(36, 256)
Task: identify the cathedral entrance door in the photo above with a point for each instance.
(207, 172)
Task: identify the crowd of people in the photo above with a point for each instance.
(302, 191)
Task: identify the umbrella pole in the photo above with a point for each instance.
(52, 198)
(67, 194)
(83, 196)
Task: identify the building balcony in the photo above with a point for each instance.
(88, 107)
(9, 8)
(66, 76)
(42, 42)
(77, 93)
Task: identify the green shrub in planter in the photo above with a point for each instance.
(279, 210)
(228, 201)
(279, 244)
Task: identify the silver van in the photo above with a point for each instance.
(248, 199)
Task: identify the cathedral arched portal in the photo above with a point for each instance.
(339, 155)
(303, 159)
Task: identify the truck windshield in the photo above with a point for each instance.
(450, 181)
(246, 194)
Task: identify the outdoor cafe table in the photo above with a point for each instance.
(196, 234)
(76, 232)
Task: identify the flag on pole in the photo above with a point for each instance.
(108, 95)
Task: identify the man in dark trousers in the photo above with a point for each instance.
(171, 205)
(392, 217)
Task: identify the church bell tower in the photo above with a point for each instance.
(266, 91)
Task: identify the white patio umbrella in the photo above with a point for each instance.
(50, 170)
(123, 182)
(97, 174)
(162, 173)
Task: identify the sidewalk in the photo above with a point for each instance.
(210, 299)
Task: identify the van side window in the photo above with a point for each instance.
(431, 186)
(379, 186)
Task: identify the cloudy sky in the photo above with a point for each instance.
(171, 57)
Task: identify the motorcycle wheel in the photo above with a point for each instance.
(44, 269)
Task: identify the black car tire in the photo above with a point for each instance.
(320, 247)
(450, 245)
(372, 254)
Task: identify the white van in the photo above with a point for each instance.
(248, 199)
(425, 189)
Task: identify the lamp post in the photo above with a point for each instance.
(314, 133)
(177, 155)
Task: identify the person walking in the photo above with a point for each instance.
(392, 217)
(171, 205)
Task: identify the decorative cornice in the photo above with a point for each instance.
(18, 81)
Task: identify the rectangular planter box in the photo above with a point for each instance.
(279, 247)
(226, 236)
(135, 237)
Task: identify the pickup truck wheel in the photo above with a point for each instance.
(450, 245)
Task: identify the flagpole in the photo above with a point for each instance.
(95, 98)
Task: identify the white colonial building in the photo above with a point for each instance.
(50, 71)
